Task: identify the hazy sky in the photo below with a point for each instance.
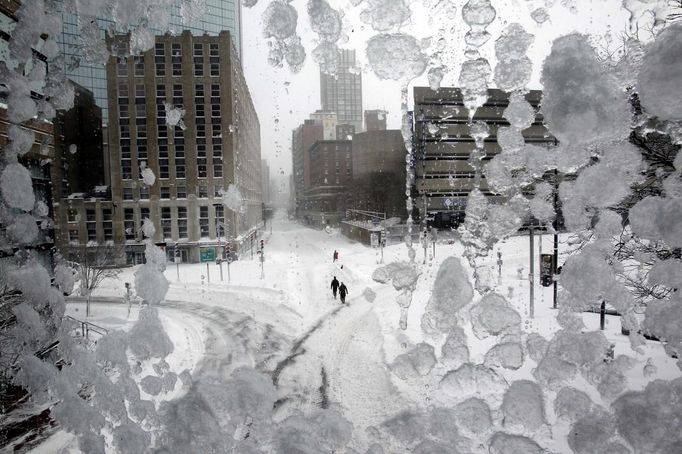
(284, 99)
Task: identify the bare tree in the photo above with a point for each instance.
(93, 265)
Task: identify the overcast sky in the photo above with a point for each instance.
(283, 99)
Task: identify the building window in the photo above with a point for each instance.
(164, 167)
(215, 91)
(72, 215)
(176, 59)
(164, 192)
(180, 168)
(73, 236)
(217, 170)
(203, 190)
(203, 222)
(202, 167)
(123, 110)
(141, 111)
(198, 59)
(122, 67)
(220, 214)
(177, 95)
(127, 193)
(215, 110)
(159, 59)
(139, 92)
(108, 224)
(123, 90)
(166, 222)
(126, 169)
(182, 222)
(214, 59)
(218, 191)
(139, 66)
(129, 223)
(144, 192)
(160, 93)
(91, 225)
(181, 192)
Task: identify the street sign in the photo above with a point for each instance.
(207, 254)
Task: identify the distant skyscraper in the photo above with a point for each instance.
(342, 93)
(220, 15)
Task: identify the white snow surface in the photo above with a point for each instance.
(351, 372)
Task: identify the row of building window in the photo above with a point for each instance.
(160, 63)
(132, 228)
(165, 192)
(180, 167)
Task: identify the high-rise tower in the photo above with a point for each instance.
(342, 92)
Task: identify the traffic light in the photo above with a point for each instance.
(546, 269)
(261, 245)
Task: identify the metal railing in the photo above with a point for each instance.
(87, 327)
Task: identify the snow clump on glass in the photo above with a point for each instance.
(17, 187)
(659, 75)
(385, 15)
(396, 56)
(581, 103)
(513, 68)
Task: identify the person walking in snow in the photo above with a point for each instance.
(335, 286)
(343, 291)
(336, 255)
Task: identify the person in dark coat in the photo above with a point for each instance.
(343, 291)
(335, 286)
(336, 255)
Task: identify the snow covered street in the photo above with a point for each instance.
(286, 346)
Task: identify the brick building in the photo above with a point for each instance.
(218, 145)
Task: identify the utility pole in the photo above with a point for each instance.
(176, 257)
(208, 273)
(262, 260)
(531, 275)
(434, 233)
(228, 262)
(556, 238)
(220, 248)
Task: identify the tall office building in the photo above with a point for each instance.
(218, 146)
(219, 15)
(342, 92)
(443, 146)
(302, 138)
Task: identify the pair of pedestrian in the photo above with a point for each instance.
(341, 288)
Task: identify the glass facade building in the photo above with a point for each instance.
(219, 15)
(342, 93)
